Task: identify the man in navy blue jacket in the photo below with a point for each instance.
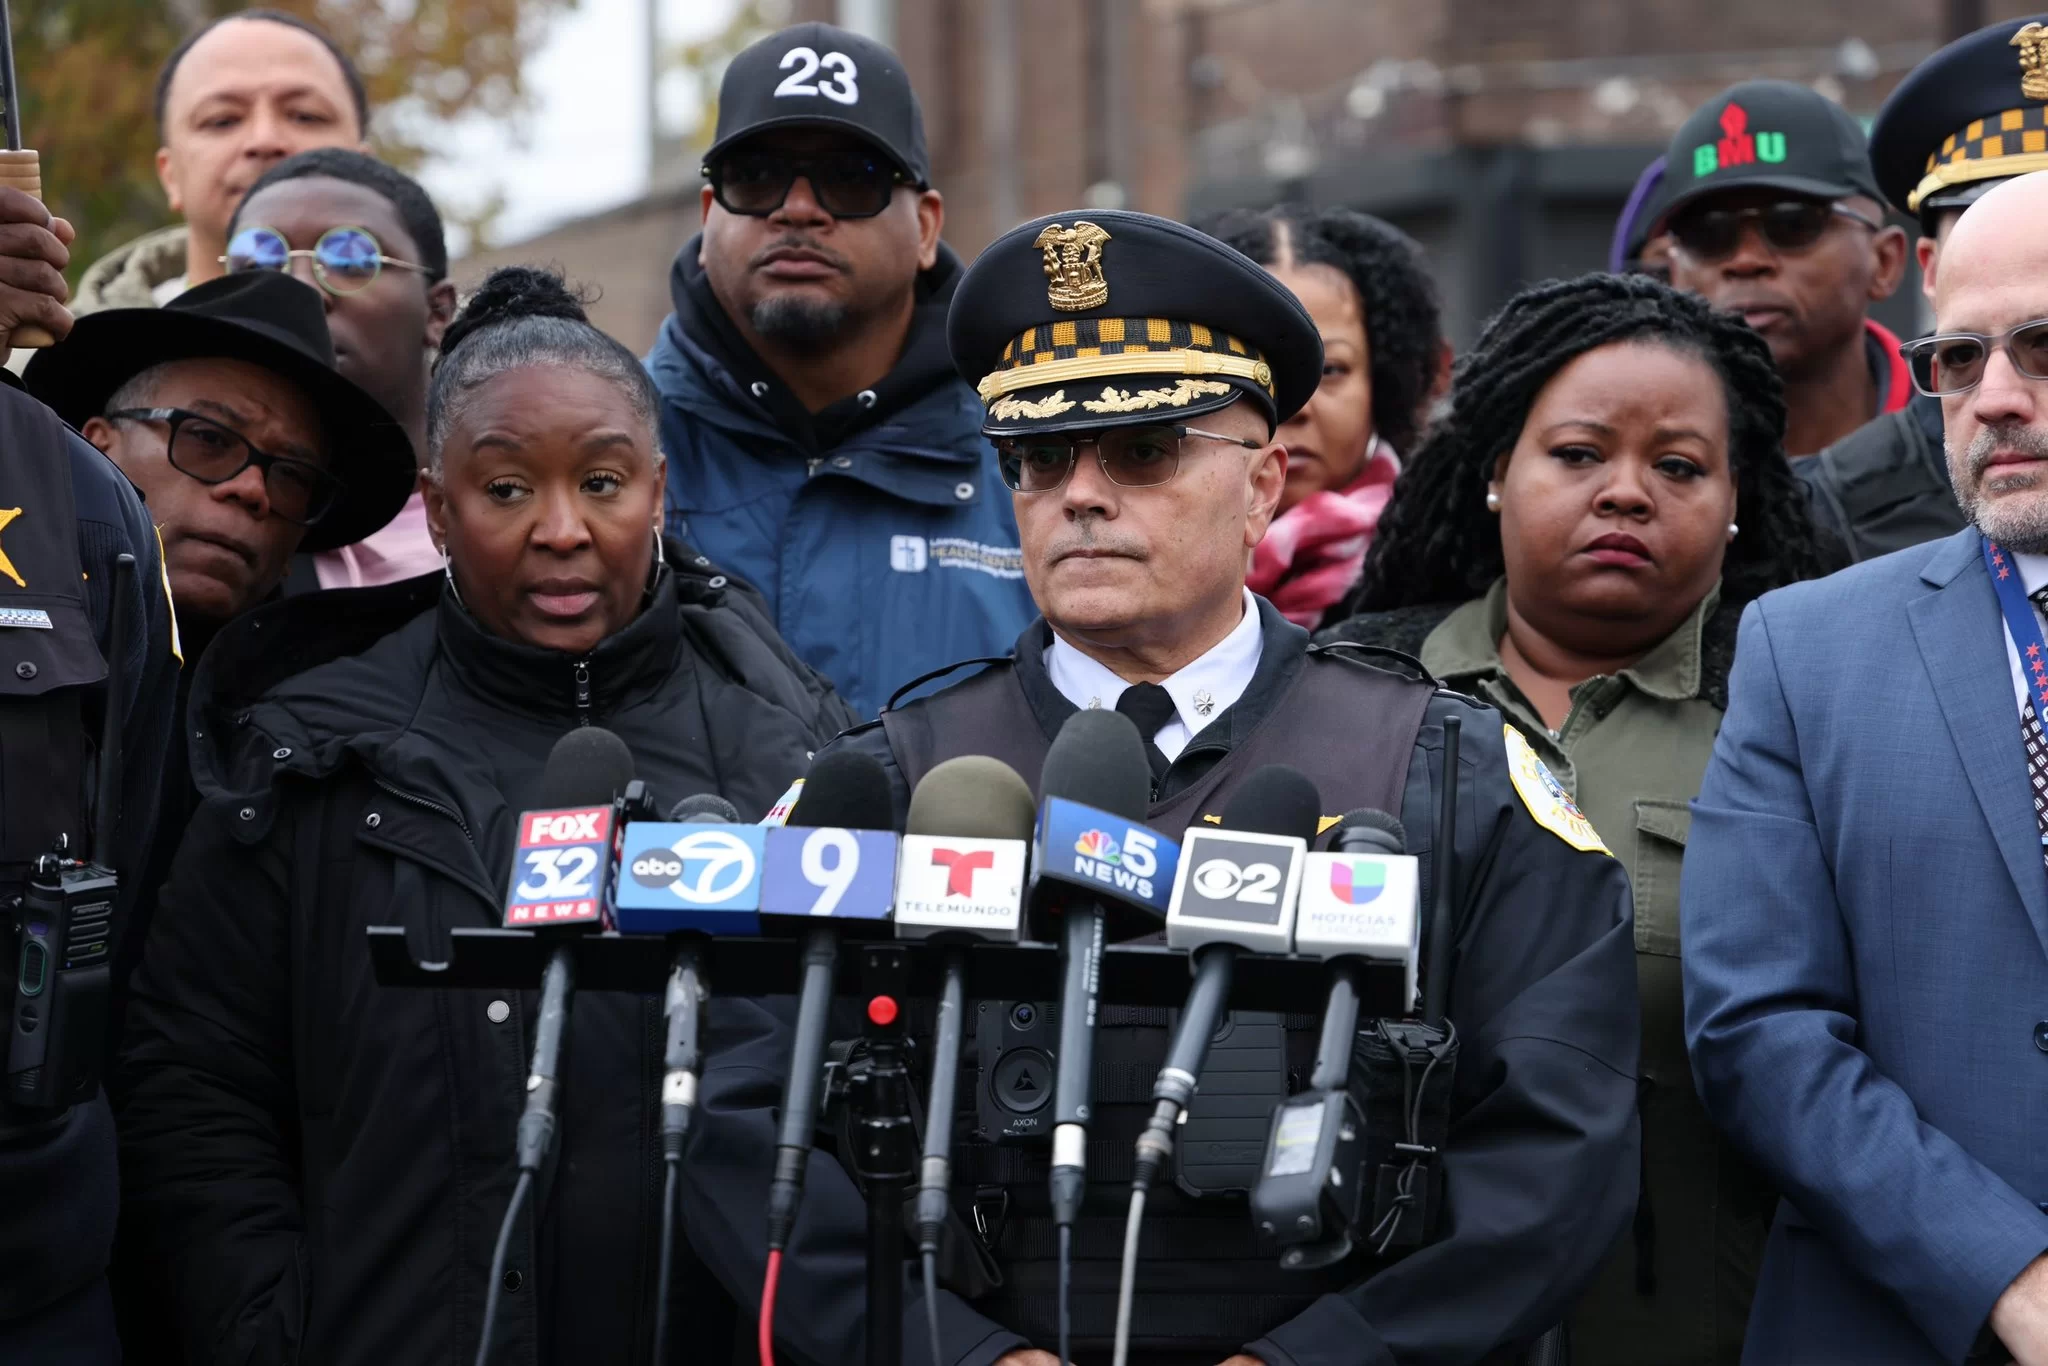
(820, 443)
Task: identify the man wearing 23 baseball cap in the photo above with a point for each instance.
(1774, 214)
(820, 443)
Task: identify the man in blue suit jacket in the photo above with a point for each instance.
(1865, 904)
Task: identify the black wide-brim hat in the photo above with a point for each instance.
(1094, 319)
(267, 319)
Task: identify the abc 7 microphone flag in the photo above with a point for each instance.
(558, 870)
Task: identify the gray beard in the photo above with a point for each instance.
(2017, 524)
(799, 322)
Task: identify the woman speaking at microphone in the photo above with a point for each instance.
(316, 1167)
(1574, 543)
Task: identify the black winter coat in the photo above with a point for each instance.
(316, 1165)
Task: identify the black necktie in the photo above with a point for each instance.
(1151, 706)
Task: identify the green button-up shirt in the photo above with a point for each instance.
(1632, 752)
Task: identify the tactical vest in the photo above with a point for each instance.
(1204, 1284)
(49, 659)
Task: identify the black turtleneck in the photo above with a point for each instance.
(924, 364)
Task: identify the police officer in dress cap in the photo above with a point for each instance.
(1134, 372)
(1969, 117)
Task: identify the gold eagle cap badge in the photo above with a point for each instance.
(2032, 41)
(1073, 266)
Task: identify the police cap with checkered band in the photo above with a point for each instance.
(1101, 318)
(1970, 116)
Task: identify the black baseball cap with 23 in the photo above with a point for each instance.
(269, 320)
(820, 76)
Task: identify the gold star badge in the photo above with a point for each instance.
(7, 515)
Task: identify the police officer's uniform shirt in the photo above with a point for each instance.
(2033, 577)
(1202, 691)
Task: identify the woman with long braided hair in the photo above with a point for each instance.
(1574, 543)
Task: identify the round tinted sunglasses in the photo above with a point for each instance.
(846, 185)
(1789, 225)
(346, 260)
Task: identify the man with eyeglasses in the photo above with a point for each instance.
(1773, 213)
(1865, 907)
(1970, 117)
(820, 444)
(368, 237)
(225, 409)
(1133, 374)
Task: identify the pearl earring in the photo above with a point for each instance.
(1492, 501)
(1732, 529)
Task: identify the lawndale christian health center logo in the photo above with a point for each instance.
(1737, 146)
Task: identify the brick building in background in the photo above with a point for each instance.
(1504, 134)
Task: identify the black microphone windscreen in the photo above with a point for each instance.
(707, 808)
(587, 767)
(1275, 800)
(972, 797)
(1098, 759)
(1385, 830)
(846, 788)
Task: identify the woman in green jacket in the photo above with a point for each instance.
(1574, 543)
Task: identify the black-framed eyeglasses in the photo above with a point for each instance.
(845, 184)
(198, 446)
(1788, 225)
(346, 259)
(1133, 457)
(1953, 362)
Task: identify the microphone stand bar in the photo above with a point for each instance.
(1132, 974)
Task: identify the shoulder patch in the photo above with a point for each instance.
(1546, 798)
(778, 814)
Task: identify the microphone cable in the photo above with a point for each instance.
(1066, 1274)
(936, 1175)
(764, 1343)
(520, 1190)
(684, 1058)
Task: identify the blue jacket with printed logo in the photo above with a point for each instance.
(877, 529)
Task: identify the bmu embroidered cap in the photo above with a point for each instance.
(1772, 135)
(1104, 318)
(819, 76)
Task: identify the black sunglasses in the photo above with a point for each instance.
(1788, 225)
(1133, 457)
(845, 184)
(299, 492)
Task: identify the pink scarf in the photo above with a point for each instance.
(1312, 553)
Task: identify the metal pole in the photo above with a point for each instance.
(10, 90)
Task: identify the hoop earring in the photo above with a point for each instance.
(1492, 502)
(448, 573)
(655, 570)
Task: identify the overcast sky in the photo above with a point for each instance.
(584, 146)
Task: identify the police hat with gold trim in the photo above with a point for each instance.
(1973, 114)
(1102, 318)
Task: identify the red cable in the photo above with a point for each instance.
(766, 1343)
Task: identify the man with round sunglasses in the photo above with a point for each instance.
(1773, 213)
(821, 445)
(368, 237)
(1968, 118)
(1133, 373)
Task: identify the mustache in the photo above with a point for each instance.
(1083, 538)
(2031, 442)
(796, 241)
